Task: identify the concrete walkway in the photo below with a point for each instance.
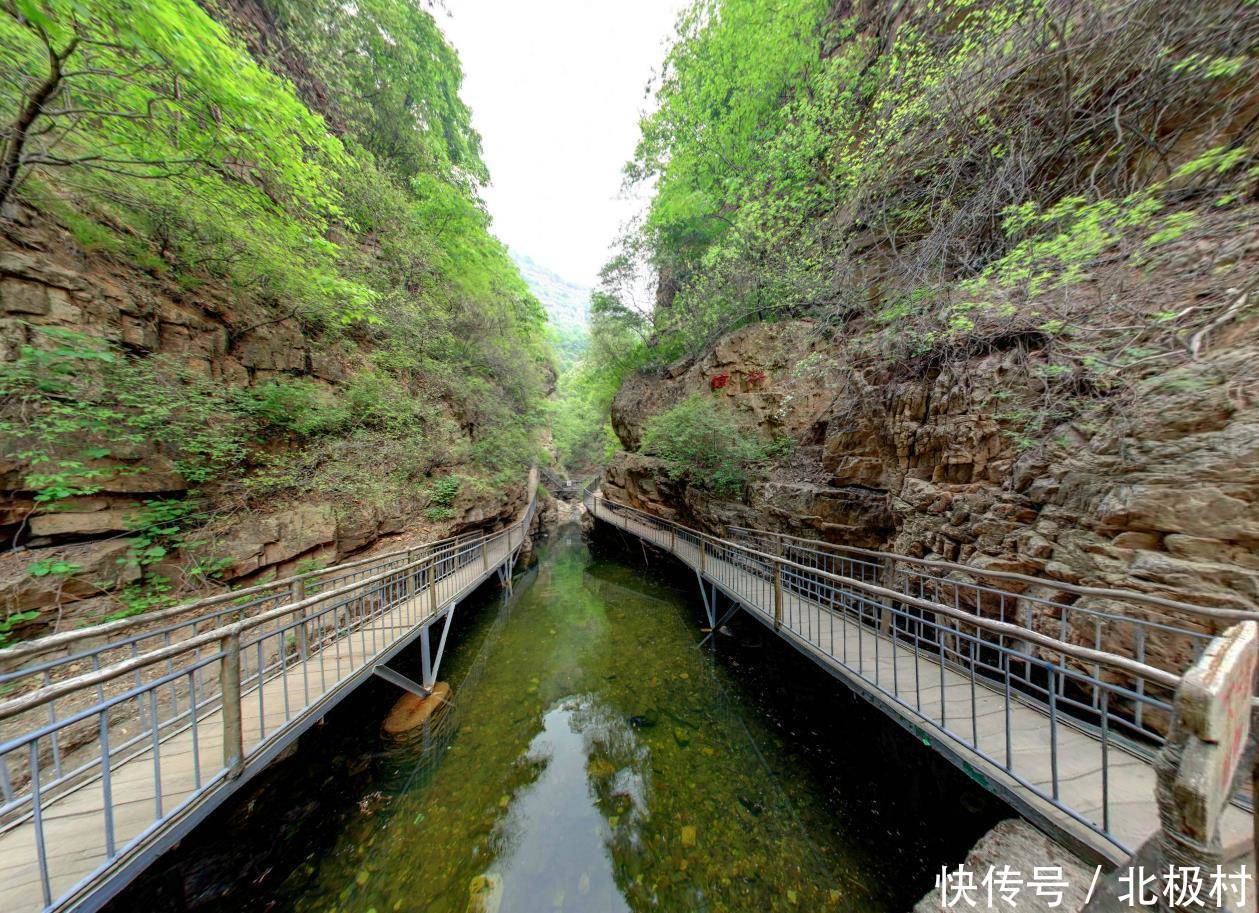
(964, 717)
(186, 768)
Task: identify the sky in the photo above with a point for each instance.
(556, 89)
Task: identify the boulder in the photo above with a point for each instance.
(411, 711)
(1017, 844)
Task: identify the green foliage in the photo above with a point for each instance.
(205, 167)
(441, 496)
(444, 491)
(706, 443)
(389, 74)
(157, 530)
(12, 621)
(75, 401)
(616, 345)
(154, 592)
(334, 187)
(720, 96)
(812, 159)
(292, 405)
(164, 124)
(579, 417)
(566, 303)
(51, 567)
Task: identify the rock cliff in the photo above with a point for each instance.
(48, 281)
(983, 460)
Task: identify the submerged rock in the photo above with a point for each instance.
(752, 806)
(485, 893)
(646, 720)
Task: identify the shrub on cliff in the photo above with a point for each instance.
(707, 444)
(303, 181)
(935, 176)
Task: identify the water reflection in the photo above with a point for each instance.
(595, 760)
(556, 842)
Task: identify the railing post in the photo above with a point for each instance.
(703, 561)
(432, 586)
(410, 588)
(229, 688)
(888, 581)
(778, 594)
(297, 592)
(485, 553)
(673, 539)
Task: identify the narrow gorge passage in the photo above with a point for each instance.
(921, 336)
(596, 760)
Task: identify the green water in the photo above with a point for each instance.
(598, 760)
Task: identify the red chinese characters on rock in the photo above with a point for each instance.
(719, 381)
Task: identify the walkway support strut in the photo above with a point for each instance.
(1063, 729)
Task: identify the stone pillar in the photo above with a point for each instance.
(1196, 768)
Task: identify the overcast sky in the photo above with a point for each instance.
(556, 88)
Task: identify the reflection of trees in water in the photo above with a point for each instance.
(618, 765)
(593, 707)
(554, 845)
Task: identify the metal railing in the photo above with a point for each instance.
(566, 487)
(1164, 633)
(94, 648)
(1089, 670)
(203, 689)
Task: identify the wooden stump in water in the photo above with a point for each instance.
(412, 711)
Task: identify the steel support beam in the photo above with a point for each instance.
(710, 602)
(430, 678)
(397, 678)
(734, 607)
(426, 664)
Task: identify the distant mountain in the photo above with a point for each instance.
(566, 303)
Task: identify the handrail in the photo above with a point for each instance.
(41, 696)
(49, 642)
(265, 675)
(434, 550)
(867, 621)
(1100, 592)
(11, 655)
(1075, 651)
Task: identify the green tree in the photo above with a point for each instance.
(706, 443)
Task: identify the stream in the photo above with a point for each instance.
(594, 758)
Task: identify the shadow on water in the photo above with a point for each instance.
(594, 758)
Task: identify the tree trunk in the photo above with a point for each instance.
(34, 106)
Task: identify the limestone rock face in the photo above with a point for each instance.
(101, 564)
(1160, 494)
(275, 539)
(47, 281)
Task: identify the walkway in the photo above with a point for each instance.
(226, 702)
(1004, 724)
